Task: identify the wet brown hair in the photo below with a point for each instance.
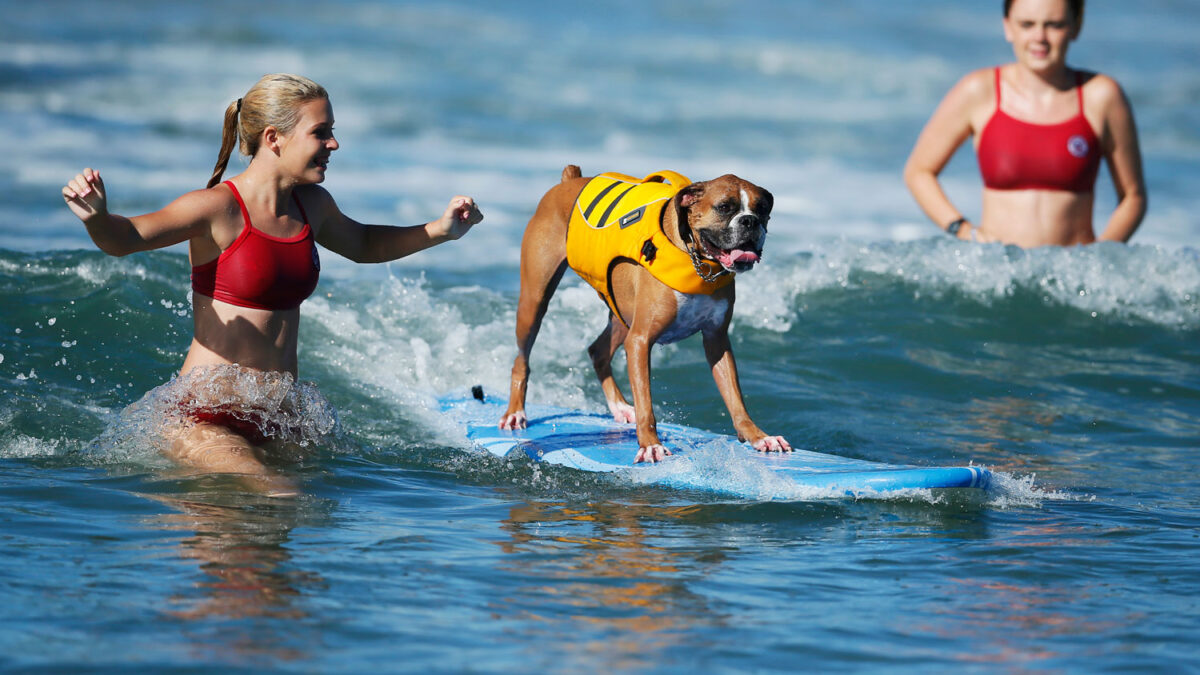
(274, 101)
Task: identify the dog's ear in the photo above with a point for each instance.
(766, 204)
(689, 195)
(768, 201)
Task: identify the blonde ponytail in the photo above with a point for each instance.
(229, 134)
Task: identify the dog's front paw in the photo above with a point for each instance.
(772, 444)
(514, 420)
(622, 412)
(651, 453)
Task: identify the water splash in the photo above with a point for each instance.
(273, 404)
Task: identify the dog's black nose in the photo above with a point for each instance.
(749, 220)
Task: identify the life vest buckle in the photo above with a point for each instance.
(649, 251)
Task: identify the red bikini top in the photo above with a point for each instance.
(1018, 155)
(260, 271)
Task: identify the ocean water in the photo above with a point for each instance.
(1073, 374)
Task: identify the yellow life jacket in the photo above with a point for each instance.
(618, 218)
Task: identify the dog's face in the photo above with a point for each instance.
(726, 220)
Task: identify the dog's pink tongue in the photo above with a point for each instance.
(737, 255)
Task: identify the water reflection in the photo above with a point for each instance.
(604, 565)
(1011, 611)
(240, 543)
(991, 427)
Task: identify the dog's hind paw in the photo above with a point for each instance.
(622, 412)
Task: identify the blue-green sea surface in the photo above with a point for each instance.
(1072, 374)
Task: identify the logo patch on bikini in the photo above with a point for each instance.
(1078, 146)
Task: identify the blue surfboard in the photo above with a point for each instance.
(700, 460)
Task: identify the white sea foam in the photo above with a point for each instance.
(1107, 281)
(1014, 491)
(410, 342)
(275, 404)
(19, 446)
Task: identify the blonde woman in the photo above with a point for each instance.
(252, 245)
(1040, 129)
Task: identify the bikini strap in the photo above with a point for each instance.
(1079, 88)
(246, 214)
(241, 204)
(997, 87)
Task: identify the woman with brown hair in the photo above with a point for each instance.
(1040, 129)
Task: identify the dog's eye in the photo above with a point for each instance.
(725, 208)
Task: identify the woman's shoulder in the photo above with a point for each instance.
(1102, 95)
(207, 203)
(978, 84)
(1099, 85)
(318, 204)
(313, 197)
(976, 88)
(981, 77)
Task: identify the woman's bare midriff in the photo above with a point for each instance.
(1031, 218)
(252, 338)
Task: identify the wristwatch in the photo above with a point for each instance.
(953, 228)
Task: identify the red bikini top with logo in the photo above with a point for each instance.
(260, 271)
(1017, 155)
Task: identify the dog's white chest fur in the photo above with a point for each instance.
(694, 313)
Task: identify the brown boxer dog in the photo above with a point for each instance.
(720, 224)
